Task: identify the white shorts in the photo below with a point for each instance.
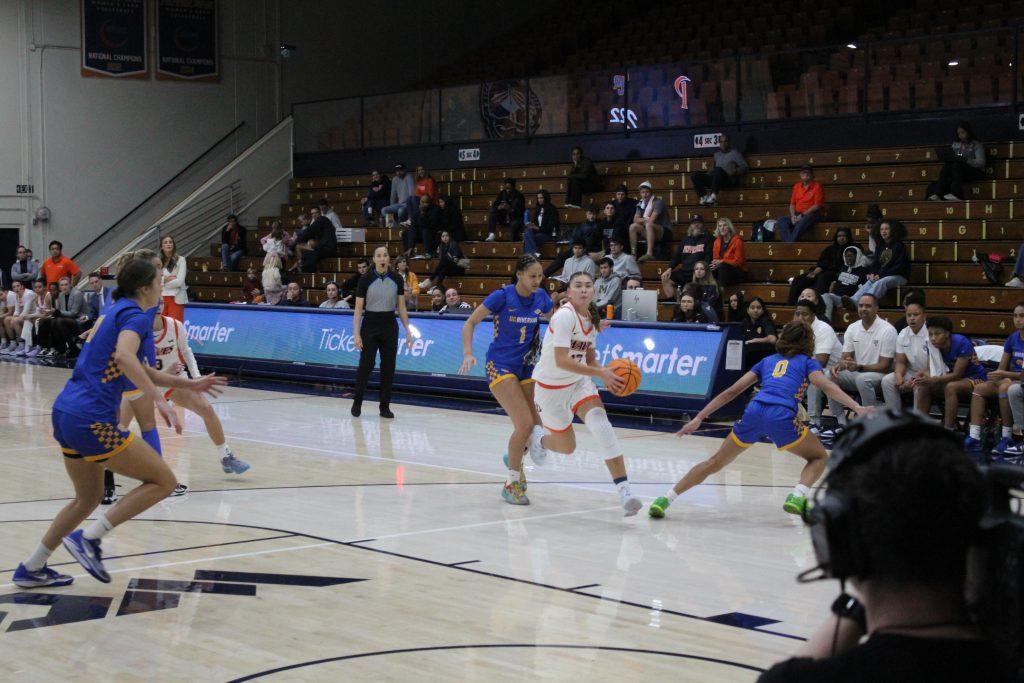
(557, 405)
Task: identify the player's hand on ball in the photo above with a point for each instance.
(169, 416)
(690, 427)
(468, 361)
(209, 384)
(612, 382)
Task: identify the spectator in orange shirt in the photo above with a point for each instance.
(728, 263)
(425, 187)
(806, 204)
(58, 266)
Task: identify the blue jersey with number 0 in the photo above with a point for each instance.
(784, 379)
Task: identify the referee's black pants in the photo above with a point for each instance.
(380, 333)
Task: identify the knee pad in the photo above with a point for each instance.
(597, 422)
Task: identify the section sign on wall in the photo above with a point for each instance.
(187, 40)
(114, 38)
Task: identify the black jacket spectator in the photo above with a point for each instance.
(448, 256)
(891, 259)
(549, 222)
(582, 179)
(507, 209)
(964, 163)
(696, 246)
(757, 327)
(451, 218)
(625, 211)
(377, 196)
(322, 232)
(234, 236)
(426, 226)
(824, 273)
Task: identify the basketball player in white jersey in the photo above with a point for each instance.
(565, 386)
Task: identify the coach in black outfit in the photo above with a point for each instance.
(379, 292)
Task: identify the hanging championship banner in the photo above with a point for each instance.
(186, 33)
(114, 38)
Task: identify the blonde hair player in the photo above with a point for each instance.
(565, 386)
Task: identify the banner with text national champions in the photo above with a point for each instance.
(114, 38)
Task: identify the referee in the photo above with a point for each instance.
(379, 291)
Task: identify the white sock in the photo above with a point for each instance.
(37, 560)
(671, 495)
(226, 450)
(801, 490)
(1007, 432)
(624, 491)
(98, 528)
(975, 431)
(513, 476)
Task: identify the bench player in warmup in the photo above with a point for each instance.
(784, 377)
(565, 386)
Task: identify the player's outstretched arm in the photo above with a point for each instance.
(468, 360)
(126, 357)
(832, 390)
(748, 380)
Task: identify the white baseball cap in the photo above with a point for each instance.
(646, 184)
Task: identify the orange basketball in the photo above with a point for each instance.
(630, 374)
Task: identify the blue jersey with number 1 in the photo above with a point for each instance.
(516, 324)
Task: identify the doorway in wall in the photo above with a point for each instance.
(8, 252)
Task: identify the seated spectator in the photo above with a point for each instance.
(806, 207)
(728, 264)
(436, 300)
(543, 225)
(687, 311)
(953, 370)
(706, 292)
(696, 246)
(58, 332)
(294, 297)
(819, 305)
(453, 303)
(963, 163)
(735, 311)
(582, 179)
(451, 218)
(25, 270)
(507, 210)
(1009, 390)
(403, 186)
(625, 264)
(588, 233)
(651, 222)
(349, 286)
(273, 288)
(24, 304)
(911, 355)
(333, 297)
(377, 197)
(316, 242)
(232, 243)
(727, 171)
(252, 288)
(450, 261)
(828, 350)
(848, 280)
(625, 214)
(607, 287)
(424, 228)
(1017, 281)
(8, 305)
(607, 224)
(869, 346)
(634, 282)
(327, 211)
(274, 242)
(424, 186)
(412, 283)
(759, 333)
(579, 262)
(96, 297)
(890, 264)
(872, 219)
(824, 273)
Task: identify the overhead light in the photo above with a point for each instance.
(954, 63)
(852, 46)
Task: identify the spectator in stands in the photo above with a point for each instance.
(828, 350)
(507, 209)
(25, 269)
(582, 179)
(7, 305)
(890, 264)
(848, 280)
(332, 296)
(590, 235)
(1009, 390)
(625, 264)
(423, 187)
(294, 297)
(963, 163)
(634, 282)
(728, 264)
(735, 311)
(403, 186)
(806, 207)
(451, 218)
(824, 273)
(232, 243)
(953, 370)
(696, 246)
(579, 262)
(453, 303)
(252, 288)
(607, 287)
(174, 291)
(706, 292)
(729, 167)
(625, 214)
(651, 222)
(814, 298)
(911, 355)
(57, 333)
(436, 300)
(869, 346)
(412, 283)
(1017, 281)
(759, 333)
(23, 303)
(327, 211)
(349, 286)
(273, 288)
(274, 242)
(450, 261)
(320, 242)
(543, 225)
(377, 197)
(687, 311)
(872, 219)
(58, 265)
(424, 227)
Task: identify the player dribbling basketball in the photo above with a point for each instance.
(565, 386)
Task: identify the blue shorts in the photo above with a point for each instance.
(776, 422)
(499, 372)
(88, 439)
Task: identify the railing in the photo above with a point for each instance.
(927, 73)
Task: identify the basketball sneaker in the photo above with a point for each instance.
(40, 578)
(109, 497)
(179, 490)
(538, 454)
(972, 445)
(658, 507)
(232, 465)
(1003, 444)
(630, 505)
(514, 494)
(88, 554)
(522, 472)
(1014, 448)
(795, 505)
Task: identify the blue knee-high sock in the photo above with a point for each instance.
(153, 439)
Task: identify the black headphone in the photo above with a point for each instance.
(833, 518)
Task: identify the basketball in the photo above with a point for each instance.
(630, 374)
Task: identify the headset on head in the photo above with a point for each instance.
(833, 518)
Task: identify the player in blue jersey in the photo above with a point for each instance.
(85, 426)
(1004, 384)
(517, 311)
(772, 413)
(955, 354)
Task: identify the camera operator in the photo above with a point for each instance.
(902, 507)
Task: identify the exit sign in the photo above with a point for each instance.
(24, 189)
